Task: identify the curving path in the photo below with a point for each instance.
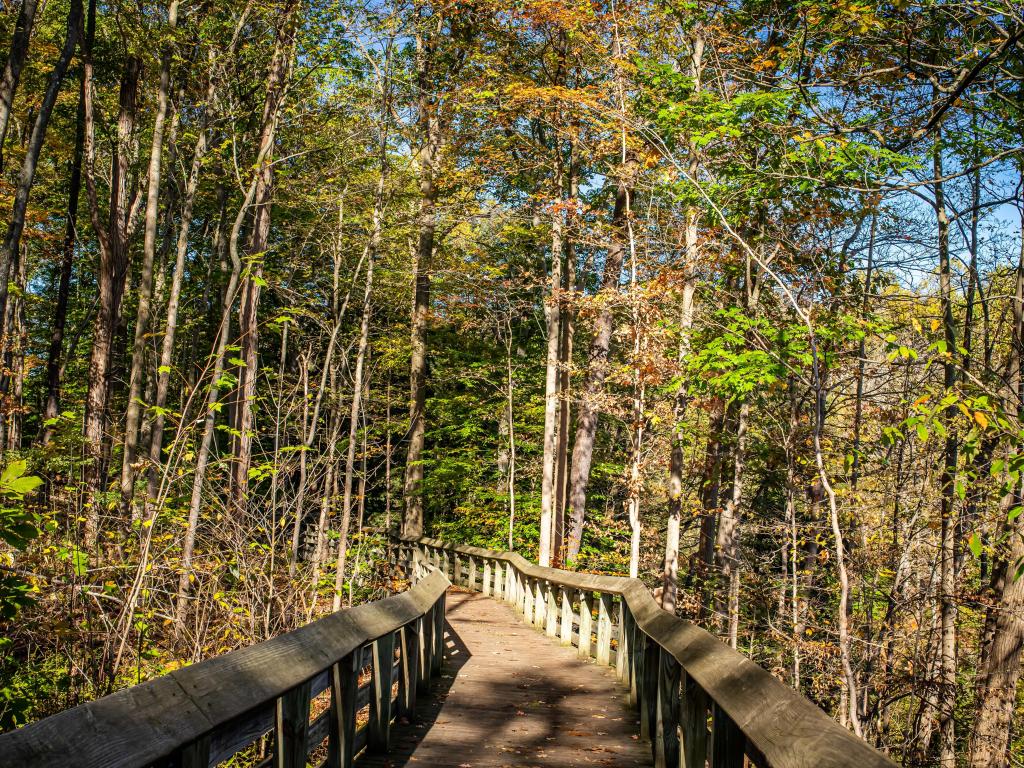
(511, 696)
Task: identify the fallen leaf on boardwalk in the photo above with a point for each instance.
(520, 712)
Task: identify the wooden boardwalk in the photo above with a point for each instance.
(511, 696)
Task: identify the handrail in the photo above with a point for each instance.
(200, 715)
(679, 675)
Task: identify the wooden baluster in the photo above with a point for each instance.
(195, 754)
(666, 751)
(551, 612)
(695, 724)
(485, 587)
(566, 628)
(586, 624)
(647, 690)
(527, 600)
(409, 651)
(291, 727)
(622, 650)
(379, 733)
(539, 603)
(636, 650)
(728, 743)
(498, 588)
(472, 573)
(604, 629)
(457, 570)
(437, 656)
(341, 729)
(424, 637)
(510, 584)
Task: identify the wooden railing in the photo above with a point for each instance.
(201, 715)
(700, 702)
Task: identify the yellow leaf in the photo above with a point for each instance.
(982, 419)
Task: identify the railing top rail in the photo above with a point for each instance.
(786, 729)
(146, 723)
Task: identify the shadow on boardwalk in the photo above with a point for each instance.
(509, 696)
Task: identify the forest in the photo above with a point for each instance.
(727, 296)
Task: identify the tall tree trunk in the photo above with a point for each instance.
(552, 317)
(427, 157)
(567, 328)
(670, 565)
(60, 312)
(1002, 638)
(26, 177)
(221, 336)
(357, 380)
(133, 414)
(259, 236)
(727, 536)
(163, 371)
(113, 269)
(15, 63)
(947, 554)
(597, 365)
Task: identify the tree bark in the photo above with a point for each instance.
(133, 413)
(427, 157)
(552, 318)
(113, 269)
(27, 174)
(163, 371)
(1002, 637)
(670, 565)
(15, 63)
(357, 381)
(947, 586)
(259, 235)
(597, 366)
(60, 312)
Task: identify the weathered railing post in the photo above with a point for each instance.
(728, 742)
(566, 628)
(666, 751)
(409, 653)
(291, 727)
(437, 655)
(539, 603)
(471, 580)
(379, 733)
(527, 600)
(649, 690)
(586, 623)
(622, 650)
(498, 587)
(551, 630)
(694, 720)
(424, 638)
(341, 729)
(510, 584)
(485, 587)
(636, 662)
(604, 629)
(457, 572)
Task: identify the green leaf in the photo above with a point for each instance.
(974, 542)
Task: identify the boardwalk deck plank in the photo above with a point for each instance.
(511, 696)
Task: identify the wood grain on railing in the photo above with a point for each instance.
(700, 702)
